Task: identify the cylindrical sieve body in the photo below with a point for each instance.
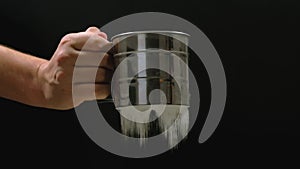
(151, 68)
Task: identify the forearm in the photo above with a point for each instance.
(18, 77)
(49, 84)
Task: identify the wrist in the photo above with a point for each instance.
(40, 84)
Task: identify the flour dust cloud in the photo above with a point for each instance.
(146, 121)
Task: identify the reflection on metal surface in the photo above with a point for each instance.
(140, 49)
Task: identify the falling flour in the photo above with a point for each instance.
(171, 120)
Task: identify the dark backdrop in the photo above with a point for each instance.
(257, 41)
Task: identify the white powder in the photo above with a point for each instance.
(173, 120)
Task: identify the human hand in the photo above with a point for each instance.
(56, 76)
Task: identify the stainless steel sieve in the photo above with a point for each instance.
(135, 52)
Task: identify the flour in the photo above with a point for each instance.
(171, 120)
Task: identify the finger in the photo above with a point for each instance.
(107, 62)
(97, 31)
(94, 59)
(92, 75)
(103, 35)
(93, 29)
(84, 41)
(90, 91)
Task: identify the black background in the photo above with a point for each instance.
(257, 40)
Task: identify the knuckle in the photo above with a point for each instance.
(94, 38)
(65, 54)
(62, 53)
(62, 57)
(67, 39)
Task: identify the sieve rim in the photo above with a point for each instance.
(149, 32)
